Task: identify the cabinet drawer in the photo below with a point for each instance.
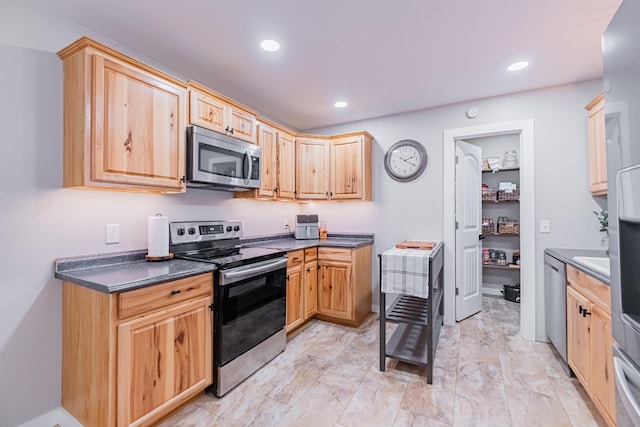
(151, 298)
(310, 254)
(295, 257)
(590, 287)
(334, 254)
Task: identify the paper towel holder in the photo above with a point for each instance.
(166, 257)
(159, 258)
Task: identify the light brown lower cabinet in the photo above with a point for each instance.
(310, 282)
(295, 316)
(589, 339)
(344, 285)
(131, 358)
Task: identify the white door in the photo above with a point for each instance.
(468, 229)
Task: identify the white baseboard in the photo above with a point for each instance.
(58, 416)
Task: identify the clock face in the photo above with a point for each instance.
(405, 160)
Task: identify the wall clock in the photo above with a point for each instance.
(405, 160)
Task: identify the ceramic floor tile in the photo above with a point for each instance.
(192, 416)
(434, 401)
(377, 400)
(469, 413)
(577, 404)
(525, 371)
(290, 384)
(481, 382)
(320, 406)
(410, 419)
(485, 374)
(530, 409)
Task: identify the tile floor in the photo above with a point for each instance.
(484, 375)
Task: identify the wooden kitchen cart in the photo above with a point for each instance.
(419, 319)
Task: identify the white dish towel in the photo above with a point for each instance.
(406, 271)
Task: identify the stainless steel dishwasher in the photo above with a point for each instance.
(555, 303)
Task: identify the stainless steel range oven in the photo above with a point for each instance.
(249, 297)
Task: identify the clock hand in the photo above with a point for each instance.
(407, 161)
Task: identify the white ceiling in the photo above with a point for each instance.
(383, 57)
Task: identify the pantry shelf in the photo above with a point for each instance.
(514, 267)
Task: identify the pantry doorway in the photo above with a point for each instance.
(524, 131)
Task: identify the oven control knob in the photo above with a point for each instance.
(236, 228)
(180, 231)
(229, 228)
(192, 230)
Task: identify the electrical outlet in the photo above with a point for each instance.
(545, 226)
(112, 234)
(286, 223)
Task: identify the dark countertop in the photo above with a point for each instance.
(566, 256)
(288, 243)
(124, 271)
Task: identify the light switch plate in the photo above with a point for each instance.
(545, 226)
(112, 234)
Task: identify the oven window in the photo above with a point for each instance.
(218, 161)
(248, 312)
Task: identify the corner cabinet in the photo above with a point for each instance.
(335, 168)
(131, 358)
(124, 122)
(212, 111)
(597, 146)
(589, 339)
(344, 285)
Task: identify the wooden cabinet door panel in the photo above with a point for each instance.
(138, 129)
(267, 139)
(602, 375)
(207, 112)
(347, 168)
(242, 123)
(335, 290)
(312, 168)
(578, 340)
(310, 283)
(597, 148)
(286, 166)
(163, 358)
(294, 297)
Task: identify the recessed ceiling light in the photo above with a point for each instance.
(340, 104)
(518, 66)
(270, 45)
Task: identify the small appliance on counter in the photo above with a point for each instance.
(307, 227)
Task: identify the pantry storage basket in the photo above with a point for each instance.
(509, 227)
(488, 226)
(504, 195)
(489, 194)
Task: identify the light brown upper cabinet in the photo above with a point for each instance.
(124, 122)
(278, 163)
(312, 168)
(597, 146)
(212, 111)
(336, 168)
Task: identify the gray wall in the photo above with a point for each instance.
(42, 221)
(414, 210)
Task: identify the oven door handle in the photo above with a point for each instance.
(252, 270)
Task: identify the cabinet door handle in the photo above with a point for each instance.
(585, 313)
(287, 277)
(175, 292)
(231, 131)
(309, 270)
(580, 309)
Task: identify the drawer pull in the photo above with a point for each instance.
(174, 292)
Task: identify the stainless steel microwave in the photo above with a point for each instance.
(221, 162)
